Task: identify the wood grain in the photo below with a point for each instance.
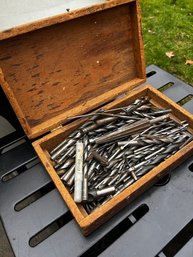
(72, 67)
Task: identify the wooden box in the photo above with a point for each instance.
(71, 64)
(90, 222)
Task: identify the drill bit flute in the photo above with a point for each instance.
(126, 130)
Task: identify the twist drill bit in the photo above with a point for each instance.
(133, 175)
(147, 139)
(61, 172)
(68, 174)
(71, 152)
(165, 153)
(69, 162)
(129, 182)
(137, 103)
(67, 144)
(95, 194)
(72, 138)
(109, 127)
(142, 115)
(187, 141)
(177, 129)
(111, 149)
(128, 130)
(160, 112)
(62, 143)
(120, 115)
(70, 181)
(91, 169)
(143, 108)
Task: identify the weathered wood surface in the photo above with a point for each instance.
(72, 67)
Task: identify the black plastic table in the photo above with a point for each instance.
(38, 223)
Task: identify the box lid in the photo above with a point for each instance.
(71, 63)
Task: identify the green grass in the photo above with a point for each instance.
(168, 26)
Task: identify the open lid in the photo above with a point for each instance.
(71, 63)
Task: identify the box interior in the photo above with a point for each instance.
(55, 138)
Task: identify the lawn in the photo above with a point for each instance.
(168, 27)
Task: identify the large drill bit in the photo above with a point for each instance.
(128, 130)
(78, 180)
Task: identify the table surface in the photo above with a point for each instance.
(38, 223)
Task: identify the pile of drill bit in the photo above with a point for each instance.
(114, 148)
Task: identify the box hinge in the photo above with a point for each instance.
(54, 129)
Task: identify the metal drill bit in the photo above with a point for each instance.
(113, 163)
(141, 149)
(68, 174)
(122, 178)
(147, 139)
(108, 128)
(143, 108)
(91, 168)
(67, 144)
(132, 171)
(98, 123)
(74, 135)
(129, 108)
(101, 159)
(111, 149)
(69, 162)
(103, 183)
(95, 194)
(142, 115)
(178, 129)
(114, 179)
(61, 172)
(62, 143)
(143, 132)
(70, 181)
(154, 153)
(136, 104)
(130, 129)
(124, 186)
(71, 152)
(78, 172)
(124, 117)
(165, 153)
(160, 112)
(186, 142)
